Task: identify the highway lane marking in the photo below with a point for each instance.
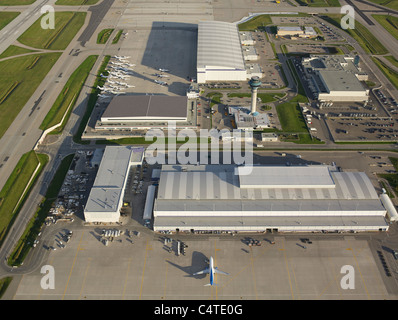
(73, 265)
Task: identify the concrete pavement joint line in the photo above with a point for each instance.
(296, 284)
(287, 269)
(85, 276)
(328, 285)
(143, 270)
(252, 269)
(73, 265)
(360, 273)
(125, 280)
(165, 280)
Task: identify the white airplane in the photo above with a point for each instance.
(162, 83)
(102, 76)
(111, 82)
(103, 96)
(211, 270)
(101, 88)
(163, 76)
(129, 86)
(163, 70)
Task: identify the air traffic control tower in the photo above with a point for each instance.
(254, 83)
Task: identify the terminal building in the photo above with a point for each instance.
(335, 78)
(224, 198)
(106, 196)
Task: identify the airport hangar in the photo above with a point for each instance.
(135, 112)
(106, 195)
(220, 56)
(226, 198)
(222, 198)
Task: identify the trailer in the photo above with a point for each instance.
(150, 198)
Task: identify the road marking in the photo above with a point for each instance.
(252, 268)
(360, 273)
(165, 280)
(84, 279)
(73, 265)
(287, 269)
(147, 247)
(125, 280)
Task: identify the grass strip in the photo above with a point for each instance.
(67, 98)
(17, 189)
(35, 224)
(92, 100)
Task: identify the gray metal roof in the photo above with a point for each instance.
(219, 46)
(337, 80)
(230, 208)
(208, 182)
(111, 176)
(146, 106)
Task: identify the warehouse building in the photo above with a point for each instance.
(223, 198)
(106, 195)
(335, 78)
(219, 56)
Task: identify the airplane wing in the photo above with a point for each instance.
(207, 270)
(219, 271)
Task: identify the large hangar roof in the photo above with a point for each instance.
(146, 106)
(111, 176)
(219, 46)
(219, 182)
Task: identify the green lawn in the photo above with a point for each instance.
(104, 35)
(36, 222)
(392, 4)
(4, 283)
(68, 96)
(362, 35)
(14, 51)
(319, 3)
(256, 23)
(6, 17)
(28, 71)
(392, 60)
(117, 37)
(390, 23)
(92, 99)
(67, 24)
(391, 74)
(14, 189)
(15, 2)
(265, 97)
